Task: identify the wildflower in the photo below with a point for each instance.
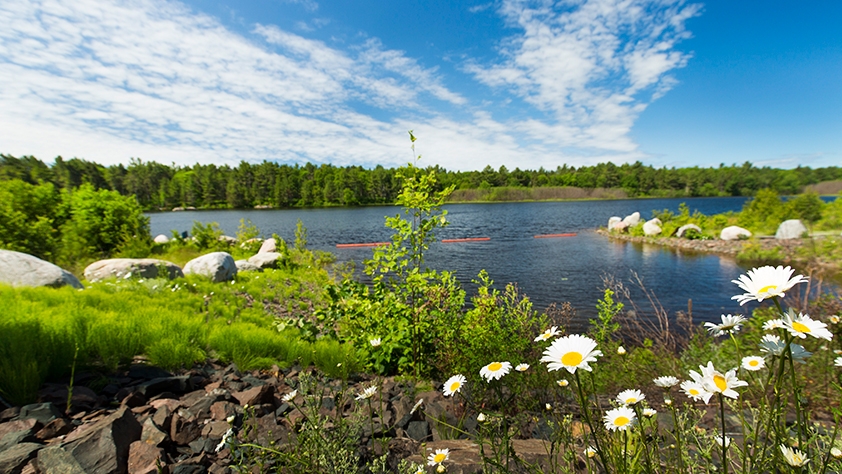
(836, 452)
(522, 367)
(772, 344)
(231, 419)
(723, 439)
(834, 319)
(440, 456)
(619, 418)
(753, 363)
(367, 393)
(729, 325)
(668, 401)
(695, 390)
(453, 385)
(773, 324)
(649, 413)
(766, 282)
(226, 439)
(290, 396)
(714, 381)
(666, 381)
(416, 406)
(571, 353)
(481, 417)
(793, 457)
(548, 407)
(837, 351)
(562, 383)
(838, 362)
(621, 350)
(803, 324)
(590, 452)
(375, 342)
(553, 331)
(440, 469)
(495, 370)
(630, 397)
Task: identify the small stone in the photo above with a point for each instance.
(255, 395)
(418, 430)
(57, 427)
(56, 460)
(144, 458)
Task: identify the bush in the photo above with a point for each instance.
(30, 217)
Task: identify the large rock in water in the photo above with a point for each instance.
(632, 219)
(22, 269)
(734, 233)
(266, 259)
(126, 267)
(612, 221)
(683, 230)
(268, 246)
(652, 227)
(791, 229)
(219, 266)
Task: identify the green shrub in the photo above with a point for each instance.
(30, 216)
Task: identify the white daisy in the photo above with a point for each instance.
(649, 413)
(834, 319)
(495, 370)
(729, 325)
(773, 324)
(666, 381)
(794, 457)
(695, 390)
(621, 350)
(375, 342)
(630, 397)
(723, 439)
(481, 417)
(438, 457)
(714, 381)
(836, 452)
(551, 332)
(521, 367)
(367, 393)
(290, 396)
(571, 353)
(772, 344)
(766, 282)
(563, 382)
(753, 363)
(803, 324)
(620, 418)
(454, 384)
(590, 452)
(838, 362)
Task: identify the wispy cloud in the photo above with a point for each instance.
(154, 79)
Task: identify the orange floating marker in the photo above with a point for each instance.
(470, 239)
(366, 244)
(552, 236)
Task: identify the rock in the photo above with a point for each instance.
(57, 460)
(228, 239)
(218, 266)
(176, 384)
(612, 221)
(15, 458)
(652, 227)
(734, 233)
(620, 227)
(683, 230)
(246, 266)
(151, 434)
(21, 269)
(161, 239)
(632, 220)
(144, 458)
(132, 267)
(14, 438)
(9, 413)
(255, 395)
(268, 246)
(104, 447)
(57, 427)
(418, 430)
(43, 412)
(266, 259)
(790, 229)
(184, 430)
(20, 425)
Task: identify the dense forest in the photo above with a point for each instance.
(158, 186)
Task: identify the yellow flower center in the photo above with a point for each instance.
(766, 289)
(455, 386)
(693, 391)
(495, 366)
(439, 458)
(720, 383)
(631, 400)
(800, 327)
(572, 359)
(621, 421)
(753, 363)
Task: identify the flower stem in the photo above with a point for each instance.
(587, 415)
(722, 434)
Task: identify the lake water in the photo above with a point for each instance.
(552, 270)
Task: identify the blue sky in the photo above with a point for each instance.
(519, 83)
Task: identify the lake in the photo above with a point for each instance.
(548, 270)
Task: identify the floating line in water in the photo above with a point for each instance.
(552, 236)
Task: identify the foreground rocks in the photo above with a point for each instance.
(218, 266)
(132, 267)
(21, 269)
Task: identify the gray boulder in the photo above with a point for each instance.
(683, 230)
(161, 239)
(620, 227)
(228, 239)
(613, 221)
(104, 447)
(22, 269)
(128, 267)
(652, 227)
(265, 259)
(632, 220)
(218, 266)
(734, 233)
(268, 246)
(790, 229)
(246, 266)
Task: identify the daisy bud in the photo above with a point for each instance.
(481, 417)
(441, 468)
(548, 406)
(836, 452)
(621, 350)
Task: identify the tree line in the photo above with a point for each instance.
(159, 186)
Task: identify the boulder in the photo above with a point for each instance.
(652, 227)
(21, 269)
(734, 233)
(268, 246)
(683, 230)
(265, 259)
(246, 266)
(620, 227)
(632, 220)
(129, 267)
(161, 239)
(612, 221)
(228, 239)
(218, 266)
(104, 447)
(790, 229)
(15, 458)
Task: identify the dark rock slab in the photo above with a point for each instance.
(57, 427)
(43, 412)
(183, 430)
(55, 459)
(256, 395)
(104, 447)
(20, 425)
(15, 458)
(144, 458)
(176, 384)
(16, 437)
